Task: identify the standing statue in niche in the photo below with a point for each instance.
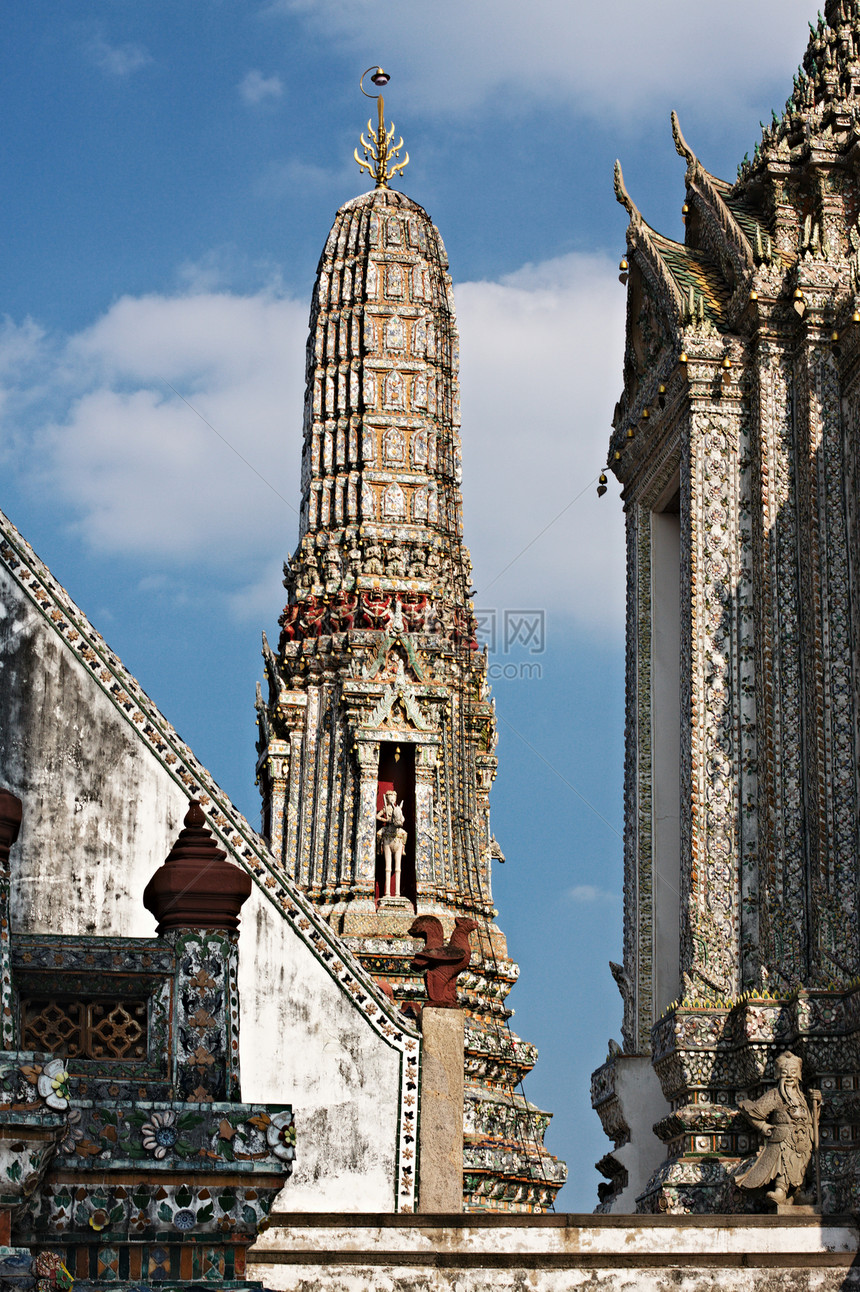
(790, 1131)
(391, 838)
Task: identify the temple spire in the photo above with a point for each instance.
(379, 151)
(378, 734)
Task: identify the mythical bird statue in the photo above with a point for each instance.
(442, 962)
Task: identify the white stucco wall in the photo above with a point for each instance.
(559, 1253)
(100, 814)
(302, 1034)
(642, 1104)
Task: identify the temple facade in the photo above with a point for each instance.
(159, 1069)
(736, 442)
(378, 734)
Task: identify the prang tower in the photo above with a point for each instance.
(737, 441)
(377, 686)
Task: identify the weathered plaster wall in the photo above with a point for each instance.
(98, 810)
(307, 1038)
(642, 1103)
(557, 1253)
(100, 814)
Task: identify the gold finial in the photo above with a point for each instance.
(378, 150)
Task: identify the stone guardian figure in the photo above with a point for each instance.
(391, 838)
(790, 1130)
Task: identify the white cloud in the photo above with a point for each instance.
(118, 60)
(225, 267)
(611, 59)
(146, 473)
(139, 467)
(588, 894)
(20, 344)
(254, 87)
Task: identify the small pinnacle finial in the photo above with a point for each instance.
(379, 151)
(195, 815)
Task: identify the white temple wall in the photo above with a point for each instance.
(641, 1103)
(100, 816)
(303, 1042)
(558, 1253)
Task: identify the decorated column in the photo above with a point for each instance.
(740, 417)
(196, 897)
(10, 824)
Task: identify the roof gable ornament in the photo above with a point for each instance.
(625, 199)
(641, 238)
(707, 189)
(379, 150)
(398, 689)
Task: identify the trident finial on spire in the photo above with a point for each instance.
(378, 150)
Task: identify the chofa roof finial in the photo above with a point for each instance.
(683, 148)
(624, 197)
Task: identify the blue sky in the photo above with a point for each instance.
(169, 175)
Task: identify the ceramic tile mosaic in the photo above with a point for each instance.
(742, 374)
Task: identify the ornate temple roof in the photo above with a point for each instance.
(750, 244)
(825, 91)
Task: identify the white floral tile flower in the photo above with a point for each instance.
(281, 1136)
(53, 1085)
(159, 1134)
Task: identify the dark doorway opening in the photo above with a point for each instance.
(397, 772)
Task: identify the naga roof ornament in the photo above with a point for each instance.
(712, 193)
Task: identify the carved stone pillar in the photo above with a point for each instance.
(367, 753)
(293, 810)
(485, 767)
(425, 780)
(710, 938)
(206, 1015)
(783, 936)
(278, 771)
(829, 720)
(196, 897)
(10, 824)
(306, 799)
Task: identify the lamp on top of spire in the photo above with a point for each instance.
(379, 154)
